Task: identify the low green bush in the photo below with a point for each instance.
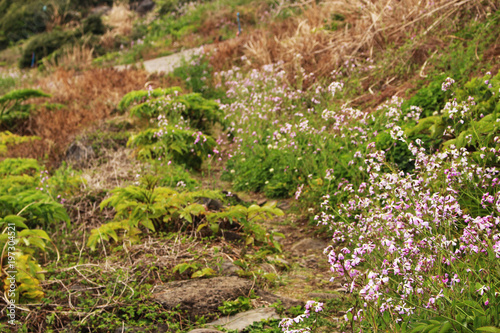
(199, 112)
(184, 147)
(21, 19)
(46, 43)
(12, 108)
(29, 200)
(140, 96)
(43, 45)
(148, 207)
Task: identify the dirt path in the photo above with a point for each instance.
(164, 64)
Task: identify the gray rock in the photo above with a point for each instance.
(309, 244)
(242, 320)
(202, 296)
(79, 154)
(231, 236)
(272, 298)
(228, 268)
(205, 330)
(284, 205)
(145, 6)
(212, 204)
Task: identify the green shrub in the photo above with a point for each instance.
(430, 99)
(26, 191)
(12, 109)
(26, 202)
(196, 74)
(21, 19)
(18, 167)
(8, 139)
(43, 45)
(185, 147)
(141, 96)
(147, 207)
(200, 113)
(19, 244)
(93, 25)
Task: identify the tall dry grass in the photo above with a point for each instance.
(71, 57)
(368, 28)
(121, 20)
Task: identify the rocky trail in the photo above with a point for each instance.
(275, 281)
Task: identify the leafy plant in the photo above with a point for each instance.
(149, 207)
(12, 109)
(8, 139)
(199, 112)
(152, 208)
(196, 74)
(183, 146)
(238, 305)
(28, 195)
(141, 96)
(17, 259)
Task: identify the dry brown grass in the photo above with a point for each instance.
(72, 57)
(121, 20)
(369, 27)
(88, 97)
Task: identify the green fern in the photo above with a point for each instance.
(19, 166)
(201, 113)
(27, 269)
(21, 193)
(9, 139)
(12, 108)
(174, 143)
(155, 208)
(140, 96)
(148, 207)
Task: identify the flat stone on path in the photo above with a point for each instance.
(228, 268)
(272, 298)
(202, 296)
(165, 64)
(242, 320)
(205, 330)
(309, 244)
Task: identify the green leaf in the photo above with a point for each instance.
(215, 228)
(181, 268)
(421, 327)
(148, 224)
(17, 220)
(205, 272)
(201, 226)
(249, 240)
(489, 329)
(445, 327)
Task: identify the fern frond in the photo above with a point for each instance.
(140, 96)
